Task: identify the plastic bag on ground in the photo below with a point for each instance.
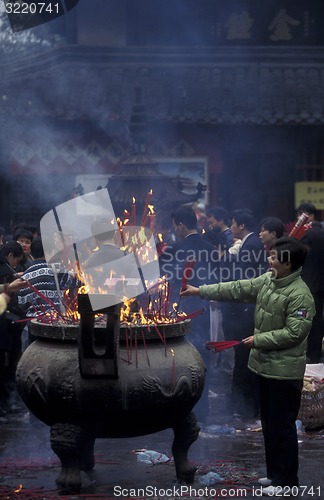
(210, 479)
(299, 426)
(151, 457)
(219, 429)
(315, 370)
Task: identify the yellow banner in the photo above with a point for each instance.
(310, 192)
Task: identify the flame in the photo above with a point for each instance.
(155, 312)
(126, 310)
(83, 289)
(142, 316)
(154, 307)
(19, 489)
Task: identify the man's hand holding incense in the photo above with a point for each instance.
(189, 290)
(248, 341)
(16, 285)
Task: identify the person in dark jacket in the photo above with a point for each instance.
(110, 269)
(11, 253)
(50, 281)
(218, 218)
(172, 262)
(251, 262)
(313, 275)
(271, 228)
(283, 319)
(24, 238)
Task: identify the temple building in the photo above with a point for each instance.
(233, 94)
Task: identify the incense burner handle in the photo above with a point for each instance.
(98, 347)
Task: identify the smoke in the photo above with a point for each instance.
(17, 43)
(73, 225)
(73, 103)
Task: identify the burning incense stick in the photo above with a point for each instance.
(152, 218)
(133, 212)
(187, 274)
(173, 367)
(147, 202)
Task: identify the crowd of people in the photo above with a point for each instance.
(249, 280)
(29, 287)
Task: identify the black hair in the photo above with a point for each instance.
(216, 237)
(290, 250)
(36, 248)
(273, 224)
(244, 216)
(13, 247)
(309, 208)
(185, 216)
(219, 213)
(23, 233)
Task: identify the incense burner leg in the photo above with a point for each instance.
(75, 450)
(87, 459)
(185, 433)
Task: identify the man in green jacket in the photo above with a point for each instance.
(283, 318)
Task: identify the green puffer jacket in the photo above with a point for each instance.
(283, 318)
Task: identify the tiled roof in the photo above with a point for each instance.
(220, 86)
(137, 179)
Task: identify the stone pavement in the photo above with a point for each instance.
(229, 447)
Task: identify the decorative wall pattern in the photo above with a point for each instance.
(230, 86)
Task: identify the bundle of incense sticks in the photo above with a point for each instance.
(187, 273)
(300, 227)
(222, 345)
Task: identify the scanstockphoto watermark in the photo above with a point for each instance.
(203, 255)
(245, 256)
(210, 492)
(26, 14)
(179, 492)
(211, 273)
(210, 267)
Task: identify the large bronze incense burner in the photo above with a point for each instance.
(90, 380)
